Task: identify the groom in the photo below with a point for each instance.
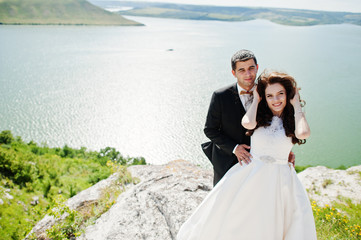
(229, 143)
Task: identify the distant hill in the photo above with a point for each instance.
(292, 17)
(74, 12)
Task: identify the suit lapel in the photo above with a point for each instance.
(238, 104)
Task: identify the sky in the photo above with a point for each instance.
(324, 5)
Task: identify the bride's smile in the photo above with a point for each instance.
(276, 98)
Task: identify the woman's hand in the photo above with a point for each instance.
(256, 97)
(302, 130)
(249, 119)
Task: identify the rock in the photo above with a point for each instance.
(88, 195)
(157, 206)
(23, 205)
(166, 196)
(35, 201)
(325, 185)
(8, 196)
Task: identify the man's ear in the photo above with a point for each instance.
(234, 73)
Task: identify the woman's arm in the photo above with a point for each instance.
(302, 130)
(249, 119)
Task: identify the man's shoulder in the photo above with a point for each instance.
(227, 89)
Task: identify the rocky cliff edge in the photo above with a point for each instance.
(166, 195)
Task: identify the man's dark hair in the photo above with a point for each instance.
(241, 56)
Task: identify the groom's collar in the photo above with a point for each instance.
(239, 88)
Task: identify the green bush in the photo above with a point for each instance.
(6, 137)
(67, 152)
(72, 191)
(137, 161)
(67, 228)
(18, 167)
(46, 189)
(301, 168)
(97, 176)
(30, 170)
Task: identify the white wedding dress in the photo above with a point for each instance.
(261, 201)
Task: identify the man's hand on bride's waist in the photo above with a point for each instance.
(292, 158)
(242, 154)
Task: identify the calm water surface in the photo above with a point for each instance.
(123, 86)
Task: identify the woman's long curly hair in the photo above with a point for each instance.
(264, 113)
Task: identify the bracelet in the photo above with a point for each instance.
(299, 112)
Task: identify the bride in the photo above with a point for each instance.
(263, 200)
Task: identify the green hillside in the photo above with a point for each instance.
(34, 178)
(73, 12)
(293, 17)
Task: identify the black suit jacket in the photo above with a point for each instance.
(224, 128)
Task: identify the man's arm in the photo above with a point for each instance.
(212, 127)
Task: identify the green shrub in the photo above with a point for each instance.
(342, 167)
(6, 162)
(46, 189)
(67, 152)
(98, 175)
(301, 168)
(6, 137)
(137, 161)
(72, 191)
(67, 228)
(6, 146)
(29, 170)
(18, 167)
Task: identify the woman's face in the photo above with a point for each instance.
(276, 98)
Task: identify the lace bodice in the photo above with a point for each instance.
(270, 143)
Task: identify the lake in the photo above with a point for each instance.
(146, 90)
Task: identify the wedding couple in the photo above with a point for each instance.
(257, 195)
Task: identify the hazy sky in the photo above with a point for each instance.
(325, 5)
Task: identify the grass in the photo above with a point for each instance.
(74, 224)
(302, 168)
(340, 221)
(29, 171)
(326, 182)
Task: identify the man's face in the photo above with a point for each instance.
(246, 73)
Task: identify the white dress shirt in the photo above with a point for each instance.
(246, 99)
